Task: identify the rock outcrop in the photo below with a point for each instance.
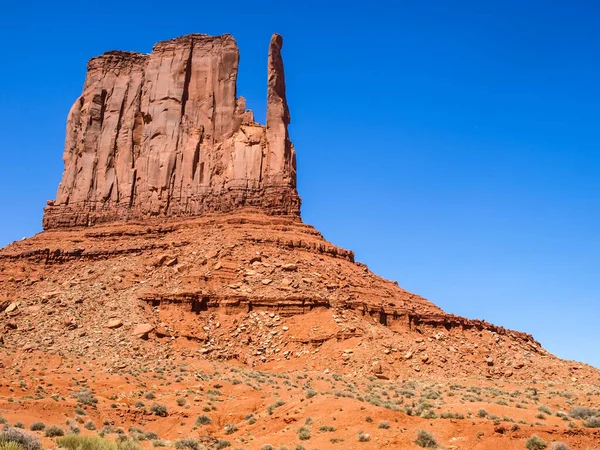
(165, 134)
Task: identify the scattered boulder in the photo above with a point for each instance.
(115, 323)
(142, 330)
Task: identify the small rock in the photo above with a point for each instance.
(142, 330)
(12, 307)
(115, 323)
(171, 262)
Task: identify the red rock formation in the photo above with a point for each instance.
(164, 134)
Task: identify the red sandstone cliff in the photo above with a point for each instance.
(165, 134)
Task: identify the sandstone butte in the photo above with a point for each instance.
(165, 134)
(174, 262)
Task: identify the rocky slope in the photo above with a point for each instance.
(223, 286)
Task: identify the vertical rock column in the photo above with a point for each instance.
(280, 158)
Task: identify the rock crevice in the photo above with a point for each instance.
(165, 134)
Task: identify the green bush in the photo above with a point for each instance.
(85, 397)
(125, 443)
(159, 410)
(230, 428)
(187, 443)
(10, 446)
(10, 437)
(559, 446)
(304, 434)
(76, 442)
(54, 431)
(583, 412)
(203, 420)
(363, 437)
(592, 422)
(425, 440)
(384, 424)
(37, 426)
(535, 443)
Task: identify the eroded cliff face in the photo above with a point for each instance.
(165, 134)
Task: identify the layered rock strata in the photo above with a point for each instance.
(165, 134)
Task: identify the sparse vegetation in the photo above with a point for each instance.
(159, 410)
(304, 434)
(12, 437)
(54, 431)
(535, 443)
(425, 440)
(187, 443)
(37, 426)
(203, 420)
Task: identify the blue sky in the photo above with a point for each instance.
(453, 146)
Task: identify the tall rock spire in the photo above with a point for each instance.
(281, 158)
(165, 134)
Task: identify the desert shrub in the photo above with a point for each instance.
(125, 443)
(149, 395)
(304, 434)
(11, 436)
(158, 443)
(545, 409)
(425, 440)
(428, 414)
(159, 410)
(80, 411)
(10, 446)
(54, 431)
(75, 442)
(482, 413)
(535, 443)
(592, 422)
(384, 424)
(73, 428)
(85, 397)
(89, 425)
(267, 447)
(559, 446)
(310, 393)
(187, 443)
(583, 412)
(326, 428)
(363, 437)
(203, 420)
(19, 425)
(37, 426)
(230, 428)
(368, 419)
(221, 444)
(451, 415)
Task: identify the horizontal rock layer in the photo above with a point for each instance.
(165, 134)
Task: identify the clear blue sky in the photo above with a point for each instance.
(454, 146)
